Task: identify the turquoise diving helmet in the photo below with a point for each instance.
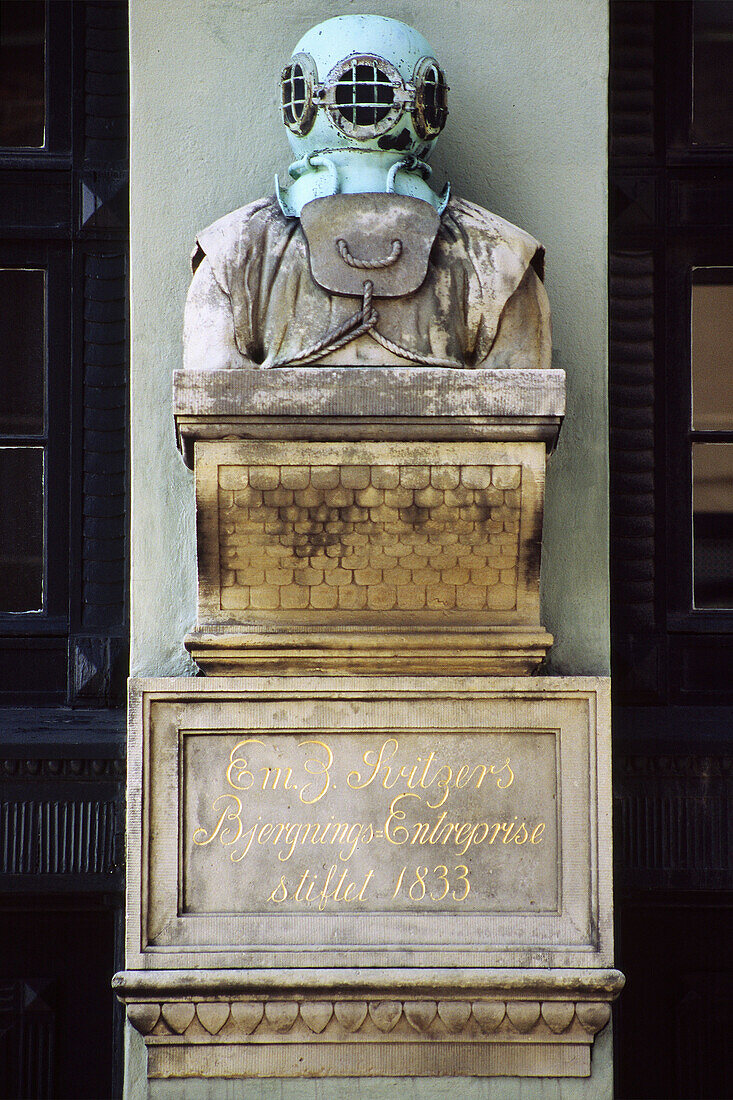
(363, 99)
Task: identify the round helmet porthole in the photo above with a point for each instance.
(431, 98)
(297, 82)
(364, 99)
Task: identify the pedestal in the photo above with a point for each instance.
(411, 545)
(369, 843)
(369, 876)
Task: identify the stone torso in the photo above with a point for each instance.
(253, 301)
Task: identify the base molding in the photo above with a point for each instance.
(342, 1023)
(510, 650)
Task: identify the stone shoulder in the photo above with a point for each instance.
(483, 233)
(240, 227)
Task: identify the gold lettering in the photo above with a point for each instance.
(301, 884)
(442, 872)
(353, 842)
(277, 773)
(472, 838)
(366, 881)
(324, 895)
(338, 886)
(237, 857)
(419, 883)
(409, 774)
(237, 769)
(397, 815)
(280, 887)
(521, 836)
(442, 783)
(289, 830)
(463, 877)
(436, 827)
(459, 775)
(510, 776)
(399, 883)
(232, 812)
(423, 777)
(358, 783)
(536, 837)
(316, 767)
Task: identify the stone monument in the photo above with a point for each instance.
(369, 841)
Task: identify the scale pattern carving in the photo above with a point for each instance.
(326, 1020)
(372, 538)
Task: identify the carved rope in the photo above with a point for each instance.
(366, 265)
(360, 322)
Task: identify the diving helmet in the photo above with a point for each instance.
(363, 99)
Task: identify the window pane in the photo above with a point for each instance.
(712, 73)
(22, 350)
(712, 504)
(22, 73)
(712, 349)
(22, 537)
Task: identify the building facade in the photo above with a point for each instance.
(630, 194)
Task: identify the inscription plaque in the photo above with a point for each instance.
(390, 821)
(369, 821)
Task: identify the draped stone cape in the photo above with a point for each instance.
(254, 303)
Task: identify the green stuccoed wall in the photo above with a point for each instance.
(526, 138)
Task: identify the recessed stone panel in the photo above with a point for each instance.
(392, 821)
(366, 553)
(374, 821)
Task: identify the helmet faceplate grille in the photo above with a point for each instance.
(364, 94)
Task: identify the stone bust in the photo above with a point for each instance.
(358, 261)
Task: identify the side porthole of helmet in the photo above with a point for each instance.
(431, 98)
(297, 84)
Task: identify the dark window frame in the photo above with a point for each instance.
(699, 249)
(54, 258)
(58, 124)
(64, 206)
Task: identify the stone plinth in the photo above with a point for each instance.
(357, 403)
(377, 875)
(418, 553)
(371, 1023)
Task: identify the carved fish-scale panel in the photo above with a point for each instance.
(373, 538)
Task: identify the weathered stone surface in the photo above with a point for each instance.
(178, 1015)
(212, 1015)
(316, 1014)
(361, 570)
(557, 1015)
(357, 403)
(485, 1022)
(489, 1014)
(308, 822)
